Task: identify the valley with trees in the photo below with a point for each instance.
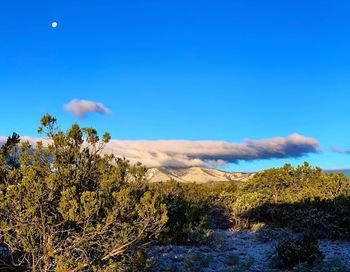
(66, 207)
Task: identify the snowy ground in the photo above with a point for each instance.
(240, 251)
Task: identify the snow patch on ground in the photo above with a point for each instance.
(243, 251)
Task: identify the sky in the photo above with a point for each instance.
(185, 82)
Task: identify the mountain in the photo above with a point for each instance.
(195, 174)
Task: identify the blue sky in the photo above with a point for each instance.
(191, 70)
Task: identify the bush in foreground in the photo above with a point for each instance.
(187, 220)
(291, 252)
(65, 207)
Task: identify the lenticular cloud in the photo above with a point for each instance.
(184, 153)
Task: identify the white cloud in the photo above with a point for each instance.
(81, 108)
(184, 153)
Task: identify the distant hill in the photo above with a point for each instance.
(195, 174)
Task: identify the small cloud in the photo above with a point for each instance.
(81, 108)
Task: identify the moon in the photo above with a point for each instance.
(54, 24)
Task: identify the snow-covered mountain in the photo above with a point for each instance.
(195, 174)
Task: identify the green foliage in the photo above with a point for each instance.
(292, 252)
(65, 207)
(187, 221)
(9, 157)
(297, 197)
(139, 261)
(191, 207)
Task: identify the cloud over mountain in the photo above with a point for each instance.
(81, 108)
(184, 153)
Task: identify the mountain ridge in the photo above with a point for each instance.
(195, 174)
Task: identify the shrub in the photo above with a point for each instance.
(187, 221)
(140, 261)
(296, 197)
(292, 252)
(65, 207)
(191, 207)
